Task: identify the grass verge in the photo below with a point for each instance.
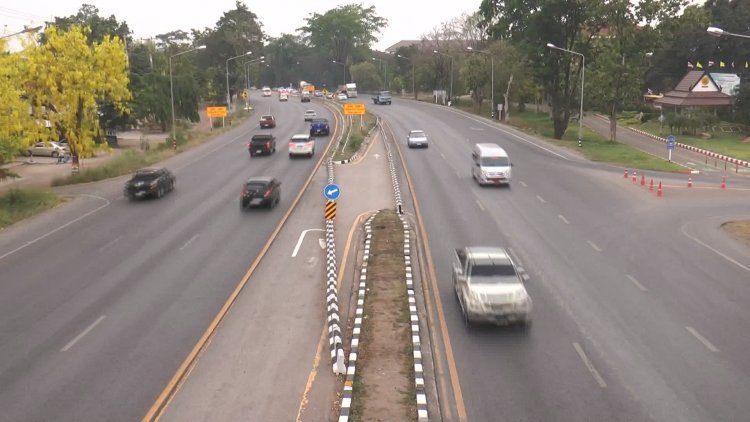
(731, 144)
(740, 230)
(383, 386)
(357, 131)
(18, 204)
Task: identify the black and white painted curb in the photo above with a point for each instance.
(346, 399)
(334, 322)
(695, 149)
(419, 381)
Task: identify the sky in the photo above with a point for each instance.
(407, 19)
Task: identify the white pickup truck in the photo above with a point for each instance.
(490, 287)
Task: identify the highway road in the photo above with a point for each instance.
(640, 301)
(102, 299)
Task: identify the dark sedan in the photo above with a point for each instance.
(150, 182)
(260, 192)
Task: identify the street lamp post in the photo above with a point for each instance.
(718, 32)
(171, 86)
(342, 64)
(25, 30)
(450, 92)
(492, 77)
(385, 72)
(229, 98)
(583, 70)
(412, 74)
(247, 74)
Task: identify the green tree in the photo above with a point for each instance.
(67, 76)
(367, 75)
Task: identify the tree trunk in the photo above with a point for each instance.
(613, 123)
(507, 94)
(560, 116)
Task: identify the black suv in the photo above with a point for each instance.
(260, 191)
(149, 182)
(319, 127)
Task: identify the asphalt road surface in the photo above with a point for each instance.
(640, 301)
(101, 300)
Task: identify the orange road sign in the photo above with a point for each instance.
(354, 108)
(216, 111)
(330, 212)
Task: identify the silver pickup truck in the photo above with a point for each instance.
(490, 287)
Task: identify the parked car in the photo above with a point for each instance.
(319, 127)
(417, 138)
(309, 115)
(48, 149)
(301, 144)
(267, 121)
(261, 191)
(490, 287)
(150, 182)
(262, 144)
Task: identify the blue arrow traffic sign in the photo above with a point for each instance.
(670, 141)
(331, 191)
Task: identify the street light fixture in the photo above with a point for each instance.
(171, 86)
(583, 70)
(412, 74)
(25, 30)
(342, 64)
(229, 98)
(492, 78)
(450, 93)
(718, 32)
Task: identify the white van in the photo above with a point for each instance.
(490, 164)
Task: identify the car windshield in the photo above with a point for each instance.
(266, 117)
(495, 161)
(146, 176)
(486, 270)
(417, 135)
(256, 185)
(300, 140)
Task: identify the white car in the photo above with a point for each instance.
(341, 96)
(417, 138)
(310, 114)
(301, 144)
(283, 97)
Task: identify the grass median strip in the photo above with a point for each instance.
(383, 386)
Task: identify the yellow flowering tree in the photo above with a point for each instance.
(15, 121)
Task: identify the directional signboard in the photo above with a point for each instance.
(331, 191)
(354, 108)
(216, 111)
(671, 141)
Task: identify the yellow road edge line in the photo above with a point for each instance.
(453, 371)
(165, 397)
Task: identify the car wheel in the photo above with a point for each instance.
(160, 192)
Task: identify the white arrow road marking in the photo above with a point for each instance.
(302, 237)
(80, 336)
(321, 243)
(377, 156)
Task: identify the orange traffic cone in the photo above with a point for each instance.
(690, 182)
(723, 182)
(643, 180)
(634, 175)
(651, 186)
(659, 192)
(626, 174)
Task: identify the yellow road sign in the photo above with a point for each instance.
(330, 212)
(216, 111)
(354, 108)
(310, 88)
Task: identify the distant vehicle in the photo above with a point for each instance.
(283, 96)
(382, 97)
(149, 182)
(262, 144)
(305, 97)
(351, 90)
(490, 164)
(417, 138)
(267, 121)
(309, 115)
(318, 93)
(319, 127)
(341, 97)
(266, 91)
(490, 287)
(263, 191)
(301, 144)
(48, 149)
